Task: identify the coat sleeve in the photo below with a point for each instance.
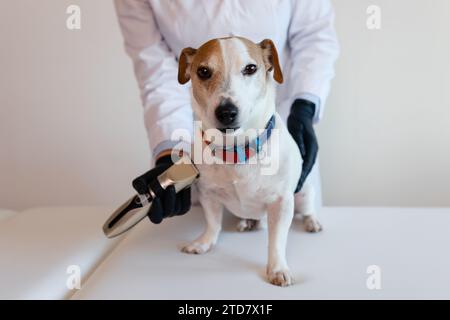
(314, 50)
(166, 103)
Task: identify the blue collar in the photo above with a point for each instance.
(241, 154)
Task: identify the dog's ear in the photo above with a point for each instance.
(184, 64)
(271, 61)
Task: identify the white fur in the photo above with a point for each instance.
(242, 189)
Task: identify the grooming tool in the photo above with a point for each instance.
(181, 175)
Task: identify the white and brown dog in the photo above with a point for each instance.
(233, 90)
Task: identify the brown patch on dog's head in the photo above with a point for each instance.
(254, 50)
(208, 56)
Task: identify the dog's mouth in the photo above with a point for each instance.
(224, 130)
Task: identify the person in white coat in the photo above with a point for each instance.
(156, 31)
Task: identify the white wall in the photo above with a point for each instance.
(71, 127)
(71, 130)
(386, 133)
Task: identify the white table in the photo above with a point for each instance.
(410, 246)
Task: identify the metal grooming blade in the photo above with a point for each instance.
(181, 175)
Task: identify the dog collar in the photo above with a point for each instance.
(241, 154)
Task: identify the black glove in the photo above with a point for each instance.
(170, 203)
(300, 126)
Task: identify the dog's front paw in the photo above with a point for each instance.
(247, 225)
(197, 247)
(312, 224)
(282, 278)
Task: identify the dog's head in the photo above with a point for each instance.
(230, 78)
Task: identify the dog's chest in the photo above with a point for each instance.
(243, 191)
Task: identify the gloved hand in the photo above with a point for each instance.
(300, 126)
(170, 203)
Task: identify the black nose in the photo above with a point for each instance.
(226, 113)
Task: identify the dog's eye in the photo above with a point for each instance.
(204, 73)
(249, 69)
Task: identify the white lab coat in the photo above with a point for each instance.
(155, 32)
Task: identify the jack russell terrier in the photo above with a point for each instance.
(233, 92)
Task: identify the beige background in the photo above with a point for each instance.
(71, 131)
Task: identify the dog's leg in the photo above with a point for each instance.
(280, 214)
(305, 205)
(213, 213)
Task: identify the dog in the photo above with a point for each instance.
(233, 91)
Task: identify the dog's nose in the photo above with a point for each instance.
(226, 113)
